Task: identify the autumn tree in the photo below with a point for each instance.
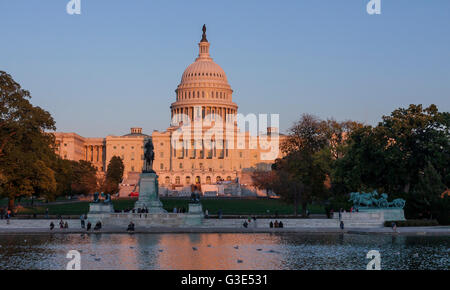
(25, 149)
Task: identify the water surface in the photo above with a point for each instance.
(223, 251)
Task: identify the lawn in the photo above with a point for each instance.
(228, 206)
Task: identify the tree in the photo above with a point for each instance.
(114, 175)
(424, 199)
(302, 172)
(24, 145)
(84, 179)
(391, 155)
(264, 180)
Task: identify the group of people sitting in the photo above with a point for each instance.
(130, 227)
(250, 222)
(276, 224)
(65, 225)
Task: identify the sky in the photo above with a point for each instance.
(118, 63)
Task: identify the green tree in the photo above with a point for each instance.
(394, 156)
(427, 194)
(84, 180)
(114, 175)
(304, 169)
(25, 149)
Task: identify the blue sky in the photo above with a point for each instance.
(118, 63)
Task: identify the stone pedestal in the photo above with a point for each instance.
(148, 194)
(101, 207)
(99, 211)
(194, 217)
(390, 214)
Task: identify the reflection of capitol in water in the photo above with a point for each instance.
(217, 251)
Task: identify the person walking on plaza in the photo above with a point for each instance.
(82, 221)
(52, 226)
(8, 216)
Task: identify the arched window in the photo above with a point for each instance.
(228, 178)
(208, 179)
(188, 180)
(167, 180)
(198, 180)
(218, 179)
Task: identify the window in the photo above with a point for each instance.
(167, 180)
(188, 180)
(177, 180)
(161, 154)
(161, 166)
(228, 178)
(181, 165)
(208, 179)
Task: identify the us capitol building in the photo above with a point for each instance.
(204, 95)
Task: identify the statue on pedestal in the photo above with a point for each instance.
(149, 156)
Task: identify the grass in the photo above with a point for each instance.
(228, 207)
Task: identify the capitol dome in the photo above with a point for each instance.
(204, 85)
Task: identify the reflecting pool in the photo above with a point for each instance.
(223, 251)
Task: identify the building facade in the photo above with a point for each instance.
(202, 147)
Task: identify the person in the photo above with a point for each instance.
(8, 216)
(280, 224)
(130, 227)
(394, 226)
(271, 224)
(82, 221)
(275, 225)
(245, 224)
(174, 210)
(46, 213)
(254, 222)
(52, 226)
(61, 224)
(66, 225)
(88, 226)
(342, 225)
(98, 226)
(206, 213)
